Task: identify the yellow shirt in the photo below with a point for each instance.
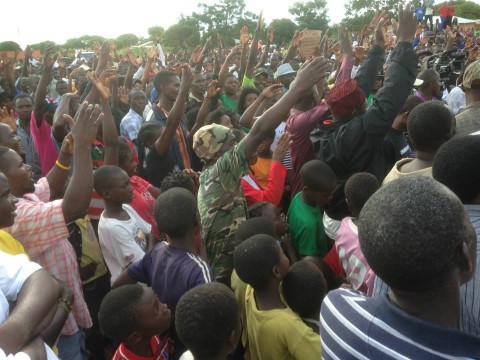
(278, 334)
(10, 245)
(239, 288)
(261, 169)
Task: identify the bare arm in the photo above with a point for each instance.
(292, 50)
(249, 114)
(26, 60)
(252, 55)
(129, 76)
(60, 127)
(123, 279)
(224, 70)
(212, 91)
(41, 93)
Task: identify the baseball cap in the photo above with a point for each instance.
(209, 139)
(260, 71)
(284, 69)
(471, 74)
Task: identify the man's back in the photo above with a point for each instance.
(468, 121)
(374, 328)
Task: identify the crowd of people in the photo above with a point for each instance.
(244, 203)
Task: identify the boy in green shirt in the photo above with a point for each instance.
(305, 218)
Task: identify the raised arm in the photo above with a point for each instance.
(244, 38)
(60, 127)
(252, 55)
(78, 194)
(41, 93)
(131, 63)
(264, 56)
(173, 119)
(26, 61)
(224, 70)
(292, 50)
(309, 75)
(247, 118)
(152, 54)
(212, 91)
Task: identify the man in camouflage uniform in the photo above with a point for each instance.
(221, 201)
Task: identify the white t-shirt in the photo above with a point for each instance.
(123, 241)
(14, 271)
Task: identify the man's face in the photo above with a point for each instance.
(121, 191)
(138, 103)
(436, 88)
(19, 174)
(62, 88)
(9, 139)
(24, 107)
(24, 85)
(199, 85)
(273, 62)
(7, 204)
(260, 81)
(171, 89)
(286, 80)
(231, 86)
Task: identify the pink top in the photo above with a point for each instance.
(351, 256)
(43, 142)
(143, 201)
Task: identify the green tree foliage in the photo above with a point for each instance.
(310, 14)
(9, 46)
(156, 33)
(89, 39)
(226, 17)
(360, 12)
(75, 43)
(184, 34)
(463, 8)
(126, 40)
(284, 30)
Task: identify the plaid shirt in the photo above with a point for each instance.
(41, 228)
(130, 125)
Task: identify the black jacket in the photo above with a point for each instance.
(354, 146)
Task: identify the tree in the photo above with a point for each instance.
(89, 39)
(75, 43)
(126, 40)
(42, 45)
(310, 14)
(360, 12)
(464, 9)
(225, 17)
(156, 33)
(183, 34)
(284, 30)
(9, 46)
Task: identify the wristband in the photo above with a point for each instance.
(61, 166)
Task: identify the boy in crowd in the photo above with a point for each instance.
(171, 268)
(305, 212)
(358, 190)
(207, 322)
(424, 258)
(122, 232)
(430, 124)
(274, 331)
(303, 278)
(133, 316)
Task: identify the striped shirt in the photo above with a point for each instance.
(41, 228)
(469, 292)
(356, 327)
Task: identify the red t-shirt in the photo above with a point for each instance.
(143, 201)
(160, 350)
(442, 11)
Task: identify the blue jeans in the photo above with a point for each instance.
(72, 347)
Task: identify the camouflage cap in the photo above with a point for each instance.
(471, 74)
(209, 139)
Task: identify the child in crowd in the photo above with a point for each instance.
(144, 193)
(133, 316)
(305, 278)
(122, 232)
(358, 190)
(207, 322)
(274, 331)
(171, 268)
(305, 212)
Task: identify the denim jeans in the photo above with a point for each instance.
(72, 347)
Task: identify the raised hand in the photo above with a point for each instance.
(152, 53)
(102, 84)
(270, 32)
(244, 36)
(407, 23)
(7, 117)
(232, 53)
(197, 55)
(379, 22)
(260, 22)
(345, 43)
(87, 121)
(212, 89)
(359, 53)
(272, 91)
(97, 47)
(473, 54)
(122, 94)
(67, 143)
(187, 77)
(297, 38)
(48, 59)
(282, 146)
(131, 57)
(28, 52)
(311, 72)
(419, 30)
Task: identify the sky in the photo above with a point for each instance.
(67, 19)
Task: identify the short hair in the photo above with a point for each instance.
(104, 177)
(135, 92)
(59, 82)
(303, 278)
(215, 116)
(21, 96)
(256, 210)
(162, 78)
(411, 102)
(315, 174)
(123, 151)
(177, 179)
(175, 212)
(254, 260)
(118, 315)
(430, 125)
(243, 96)
(205, 318)
(457, 166)
(360, 187)
(255, 226)
(409, 232)
(147, 132)
(427, 76)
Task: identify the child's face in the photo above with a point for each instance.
(121, 190)
(322, 196)
(154, 316)
(129, 165)
(271, 212)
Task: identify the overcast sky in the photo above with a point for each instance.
(32, 21)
